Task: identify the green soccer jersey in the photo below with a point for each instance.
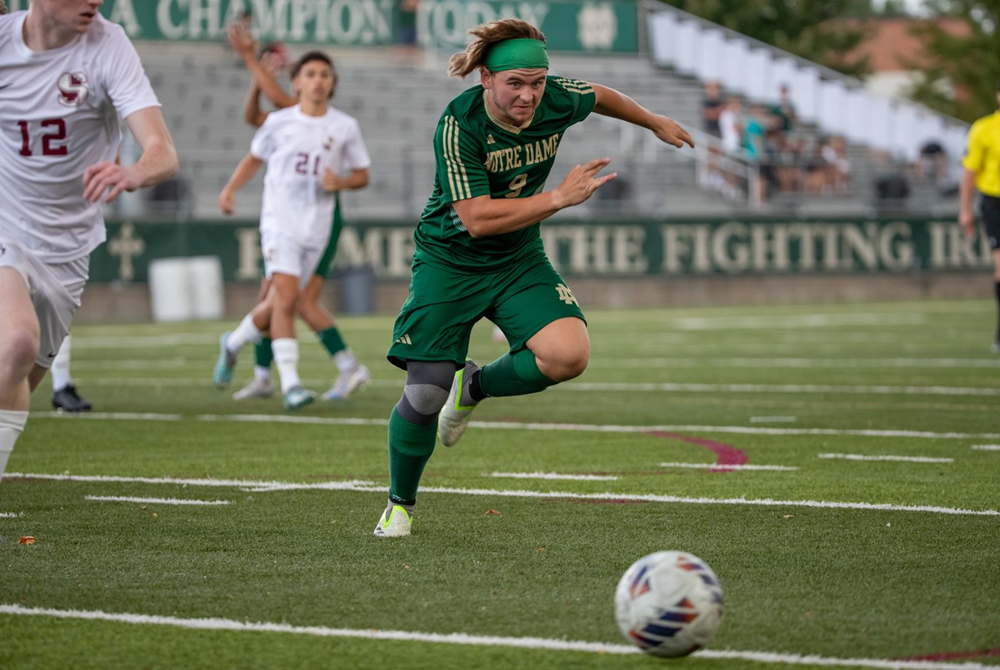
(476, 154)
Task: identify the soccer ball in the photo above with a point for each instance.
(669, 603)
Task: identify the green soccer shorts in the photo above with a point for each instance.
(325, 266)
(436, 320)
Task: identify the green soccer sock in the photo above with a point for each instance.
(410, 447)
(262, 354)
(331, 340)
(513, 375)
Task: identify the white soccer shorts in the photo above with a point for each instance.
(285, 255)
(55, 291)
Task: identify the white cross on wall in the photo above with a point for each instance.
(127, 246)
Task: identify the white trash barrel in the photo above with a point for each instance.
(185, 289)
(205, 284)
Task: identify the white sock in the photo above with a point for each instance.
(60, 368)
(11, 425)
(243, 334)
(262, 374)
(286, 358)
(346, 360)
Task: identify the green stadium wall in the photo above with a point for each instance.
(620, 249)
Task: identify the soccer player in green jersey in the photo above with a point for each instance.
(479, 253)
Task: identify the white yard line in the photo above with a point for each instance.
(142, 341)
(368, 487)
(505, 425)
(904, 459)
(348, 485)
(465, 639)
(640, 387)
(717, 466)
(794, 362)
(11, 515)
(554, 475)
(156, 501)
(795, 321)
(986, 447)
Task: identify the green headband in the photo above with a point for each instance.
(516, 54)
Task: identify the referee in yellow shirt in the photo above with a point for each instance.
(982, 172)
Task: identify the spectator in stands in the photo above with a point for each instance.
(479, 251)
(352, 375)
(838, 170)
(731, 131)
(406, 30)
(712, 105)
(932, 162)
(308, 148)
(981, 171)
(816, 167)
(755, 150)
(59, 175)
(784, 111)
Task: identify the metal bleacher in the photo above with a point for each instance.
(202, 88)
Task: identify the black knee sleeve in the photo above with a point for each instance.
(426, 391)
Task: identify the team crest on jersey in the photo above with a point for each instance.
(328, 143)
(72, 89)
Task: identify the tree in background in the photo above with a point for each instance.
(813, 30)
(963, 77)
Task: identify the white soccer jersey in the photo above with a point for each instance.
(59, 114)
(298, 150)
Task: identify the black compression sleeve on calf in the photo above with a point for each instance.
(426, 391)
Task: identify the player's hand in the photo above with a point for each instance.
(671, 132)
(227, 201)
(331, 182)
(272, 63)
(581, 182)
(107, 180)
(241, 40)
(967, 221)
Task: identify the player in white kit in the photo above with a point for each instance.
(306, 147)
(67, 76)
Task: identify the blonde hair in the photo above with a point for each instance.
(488, 34)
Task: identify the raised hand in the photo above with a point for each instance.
(241, 40)
(581, 182)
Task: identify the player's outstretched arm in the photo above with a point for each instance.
(966, 187)
(483, 216)
(243, 173)
(252, 112)
(157, 163)
(244, 44)
(619, 106)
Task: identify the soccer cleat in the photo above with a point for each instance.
(258, 388)
(347, 383)
(297, 398)
(68, 400)
(223, 373)
(395, 522)
(454, 417)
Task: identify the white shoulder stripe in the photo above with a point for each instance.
(458, 179)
